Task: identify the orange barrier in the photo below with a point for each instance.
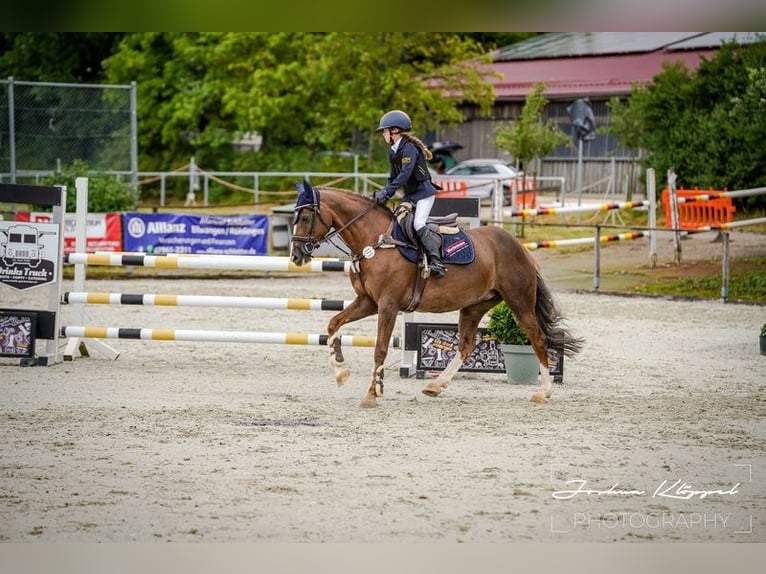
(526, 192)
(526, 199)
(694, 214)
(451, 187)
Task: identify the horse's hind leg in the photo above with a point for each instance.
(543, 394)
(539, 342)
(358, 309)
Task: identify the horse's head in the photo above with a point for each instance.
(338, 215)
(309, 227)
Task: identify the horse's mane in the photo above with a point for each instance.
(352, 196)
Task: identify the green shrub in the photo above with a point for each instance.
(503, 326)
(105, 193)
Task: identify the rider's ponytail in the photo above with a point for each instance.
(420, 144)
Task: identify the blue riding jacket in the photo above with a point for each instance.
(409, 171)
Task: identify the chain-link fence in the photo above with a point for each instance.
(45, 126)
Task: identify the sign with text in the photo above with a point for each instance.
(28, 254)
(162, 233)
(103, 233)
(436, 344)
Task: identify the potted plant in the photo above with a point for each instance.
(521, 364)
(763, 339)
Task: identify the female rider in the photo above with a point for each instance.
(408, 158)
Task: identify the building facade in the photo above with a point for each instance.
(574, 65)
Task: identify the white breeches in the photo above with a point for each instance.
(422, 211)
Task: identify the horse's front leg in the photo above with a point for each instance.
(386, 321)
(468, 324)
(359, 308)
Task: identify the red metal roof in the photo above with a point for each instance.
(585, 76)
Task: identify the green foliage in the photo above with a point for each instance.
(763, 330)
(503, 326)
(708, 125)
(529, 137)
(105, 193)
(197, 92)
(626, 124)
(55, 56)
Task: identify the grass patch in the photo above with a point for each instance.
(747, 282)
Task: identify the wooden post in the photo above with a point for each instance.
(597, 252)
(651, 193)
(674, 219)
(725, 266)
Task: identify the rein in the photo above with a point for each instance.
(311, 243)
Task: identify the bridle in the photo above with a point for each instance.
(307, 244)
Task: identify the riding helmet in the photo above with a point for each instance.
(395, 119)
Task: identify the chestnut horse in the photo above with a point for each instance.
(502, 270)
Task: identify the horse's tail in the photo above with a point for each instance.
(560, 339)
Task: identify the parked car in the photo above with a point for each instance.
(480, 176)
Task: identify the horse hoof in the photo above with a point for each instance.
(540, 398)
(341, 375)
(368, 403)
(432, 389)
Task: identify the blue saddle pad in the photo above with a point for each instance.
(457, 249)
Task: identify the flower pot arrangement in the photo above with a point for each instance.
(521, 364)
(763, 339)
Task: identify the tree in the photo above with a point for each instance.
(167, 73)
(362, 75)
(54, 124)
(303, 92)
(55, 56)
(706, 125)
(529, 137)
(105, 193)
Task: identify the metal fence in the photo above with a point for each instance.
(46, 126)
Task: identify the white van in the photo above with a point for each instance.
(21, 246)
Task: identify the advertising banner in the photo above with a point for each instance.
(28, 254)
(162, 233)
(17, 333)
(104, 231)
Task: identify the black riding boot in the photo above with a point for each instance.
(432, 244)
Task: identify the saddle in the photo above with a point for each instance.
(457, 247)
(405, 216)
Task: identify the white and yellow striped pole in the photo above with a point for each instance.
(167, 300)
(232, 262)
(87, 332)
